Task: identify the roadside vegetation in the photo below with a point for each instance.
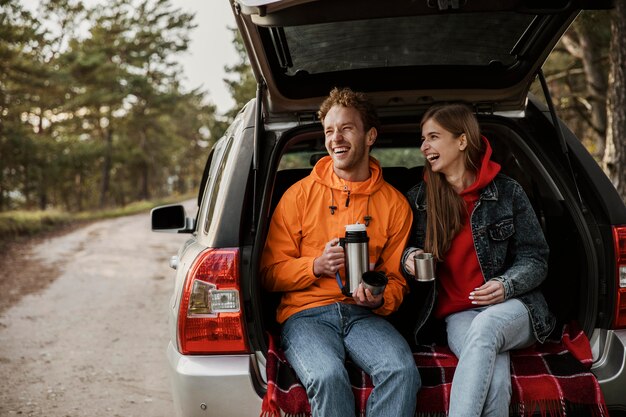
(17, 224)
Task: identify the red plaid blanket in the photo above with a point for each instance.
(552, 378)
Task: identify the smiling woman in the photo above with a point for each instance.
(487, 289)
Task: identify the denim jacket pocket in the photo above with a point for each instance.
(502, 230)
(499, 235)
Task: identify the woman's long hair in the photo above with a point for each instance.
(446, 211)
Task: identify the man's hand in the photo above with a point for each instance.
(330, 261)
(365, 298)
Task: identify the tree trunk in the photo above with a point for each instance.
(614, 162)
(144, 168)
(78, 182)
(145, 181)
(585, 49)
(106, 168)
(43, 197)
(595, 72)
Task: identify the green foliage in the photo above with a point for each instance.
(98, 118)
(243, 86)
(577, 74)
(17, 223)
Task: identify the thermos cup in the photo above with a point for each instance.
(375, 281)
(424, 267)
(356, 252)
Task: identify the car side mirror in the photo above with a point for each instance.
(172, 219)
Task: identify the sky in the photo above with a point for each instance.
(210, 49)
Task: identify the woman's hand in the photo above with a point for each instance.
(409, 263)
(491, 292)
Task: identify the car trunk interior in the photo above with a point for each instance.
(568, 283)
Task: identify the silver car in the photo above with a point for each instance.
(407, 55)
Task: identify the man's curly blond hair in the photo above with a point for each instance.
(347, 98)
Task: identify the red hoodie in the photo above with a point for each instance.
(460, 273)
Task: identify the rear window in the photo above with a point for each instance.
(476, 39)
(389, 151)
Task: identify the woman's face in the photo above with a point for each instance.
(443, 150)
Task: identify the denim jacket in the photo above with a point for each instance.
(509, 244)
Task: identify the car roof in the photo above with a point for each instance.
(403, 53)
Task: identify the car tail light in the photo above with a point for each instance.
(210, 319)
(619, 236)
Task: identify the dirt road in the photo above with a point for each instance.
(92, 343)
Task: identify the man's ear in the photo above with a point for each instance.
(371, 136)
(463, 142)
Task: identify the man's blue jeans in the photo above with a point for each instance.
(316, 342)
(481, 339)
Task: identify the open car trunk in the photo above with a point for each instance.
(407, 55)
(572, 285)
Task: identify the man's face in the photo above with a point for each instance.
(347, 142)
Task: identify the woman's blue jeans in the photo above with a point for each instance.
(481, 339)
(316, 343)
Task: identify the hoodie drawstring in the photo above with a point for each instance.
(367, 218)
(332, 206)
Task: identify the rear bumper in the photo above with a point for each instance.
(610, 368)
(207, 386)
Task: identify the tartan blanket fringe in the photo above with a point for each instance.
(553, 379)
(557, 408)
(264, 414)
(554, 408)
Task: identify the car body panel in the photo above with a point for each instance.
(212, 385)
(610, 367)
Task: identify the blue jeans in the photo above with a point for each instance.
(481, 339)
(316, 342)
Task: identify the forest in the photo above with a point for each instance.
(93, 113)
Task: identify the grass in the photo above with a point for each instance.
(19, 223)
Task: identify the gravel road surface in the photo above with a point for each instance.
(92, 341)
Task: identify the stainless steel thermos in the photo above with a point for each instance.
(356, 251)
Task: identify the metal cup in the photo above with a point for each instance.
(424, 267)
(374, 281)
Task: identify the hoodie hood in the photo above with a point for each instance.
(324, 174)
(487, 171)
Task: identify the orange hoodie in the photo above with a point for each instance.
(302, 224)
